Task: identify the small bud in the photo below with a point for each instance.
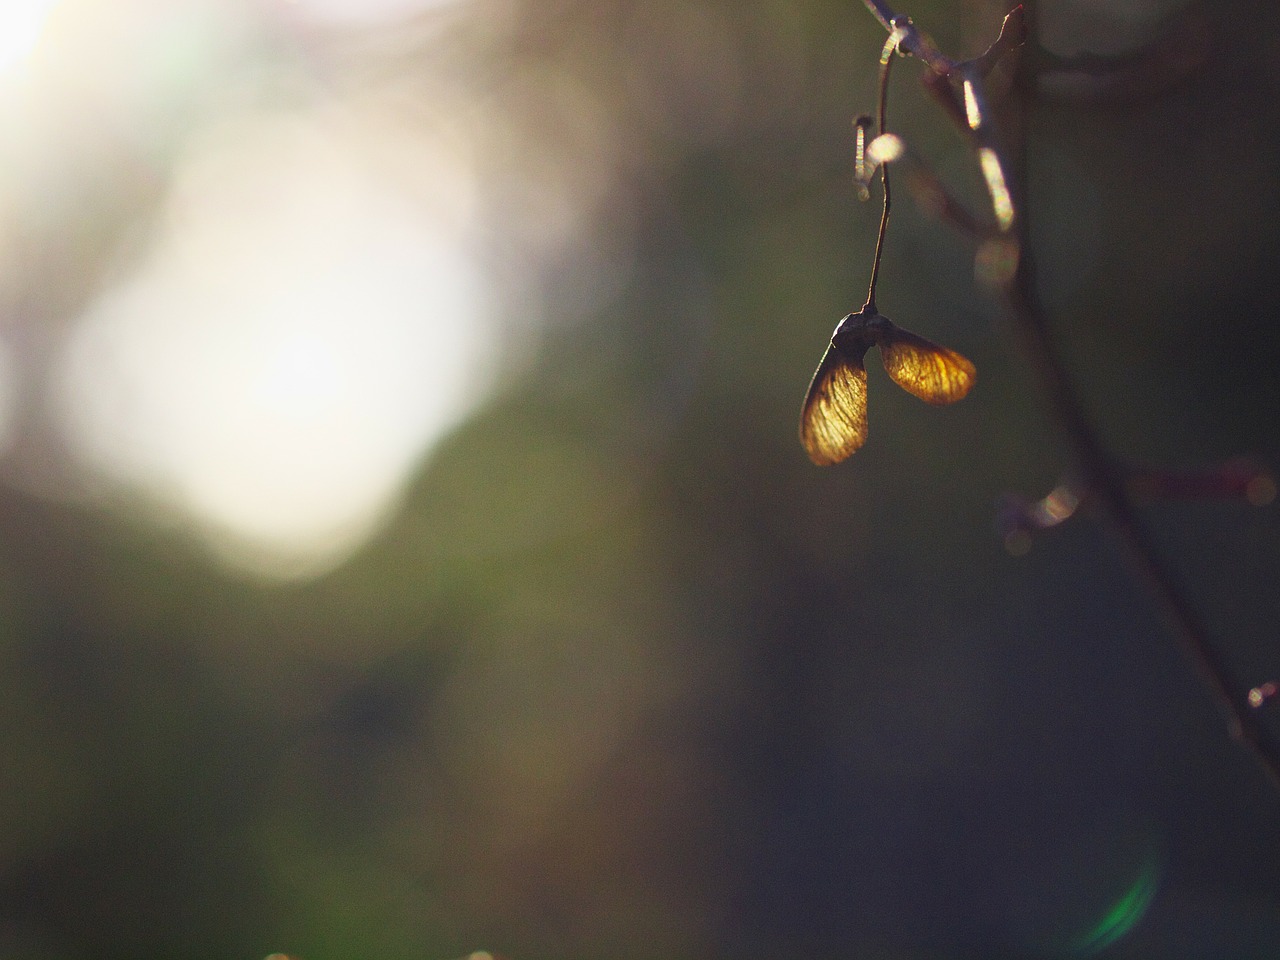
(901, 27)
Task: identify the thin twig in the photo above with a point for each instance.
(886, 61)
(1101, 474)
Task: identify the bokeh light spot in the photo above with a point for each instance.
(297, 337)
(885, 148)
(1018, 542)
(997, 186)
(1261, 490)
(366, 11)
(21, 25)
(972, 112)
(1261, 694)
(996, 262)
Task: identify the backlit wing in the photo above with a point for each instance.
(833, 421)
(921, 367)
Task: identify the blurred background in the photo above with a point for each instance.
(405, 546)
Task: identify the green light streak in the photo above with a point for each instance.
(1123, 916)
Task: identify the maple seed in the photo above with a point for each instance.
(833, 421)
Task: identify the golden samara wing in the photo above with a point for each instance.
(833, 421)
(921, 367)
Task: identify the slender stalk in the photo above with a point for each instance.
(886, 61)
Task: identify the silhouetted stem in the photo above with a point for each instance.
(882, 109)
(1104, 479)
(1101, 474)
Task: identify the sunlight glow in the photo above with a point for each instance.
(367, 11)
(971, 110)
(885, 148)
(296, 339)
(302, 375)
(1058, 506)
(1001, 201)
(21, 24)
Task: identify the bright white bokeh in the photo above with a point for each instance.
(366, 11)
(21, 24)
(298, 335)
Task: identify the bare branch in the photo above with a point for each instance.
(1013, 34)
(913, 42)
(1100, 473)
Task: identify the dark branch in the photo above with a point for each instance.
(1101, 475)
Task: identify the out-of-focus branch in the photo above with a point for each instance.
(1191, 41)
(1013, 34)
(911, 41)
(1240, 479)
(930, 193)
(1102, 477)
